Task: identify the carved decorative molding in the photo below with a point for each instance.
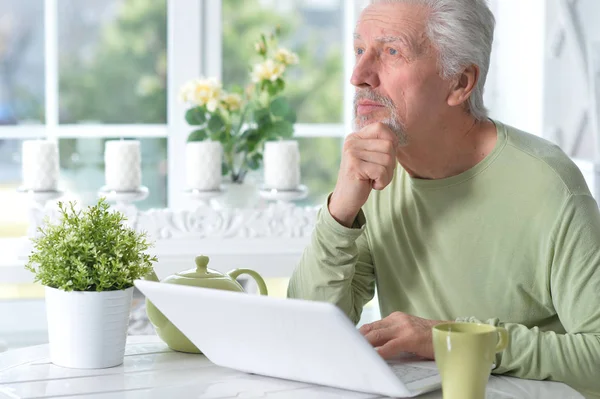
(277, 220)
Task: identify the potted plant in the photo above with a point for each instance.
(87, 262)
(242, 120)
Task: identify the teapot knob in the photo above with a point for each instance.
(201, 263)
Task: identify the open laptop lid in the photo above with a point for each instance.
(298, 340)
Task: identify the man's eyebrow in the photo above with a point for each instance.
(387, 39)
(407, 42)
(391, 39)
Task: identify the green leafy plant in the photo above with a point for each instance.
(242, 120)
(90, 250)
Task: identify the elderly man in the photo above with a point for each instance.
(453, 216)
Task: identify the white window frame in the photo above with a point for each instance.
(191, 23)
(194, 47)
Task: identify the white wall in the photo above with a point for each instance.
(515, 89)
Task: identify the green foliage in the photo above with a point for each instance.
(216, 123)
(196, 116)
(242, 123)
(314, 89)
(279, 107)
(89, 250)
(198, 135)
(124, 80)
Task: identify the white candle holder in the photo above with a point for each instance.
(273, 194)
(41, 197)
(124, 197)
(36, 210)
(204, 195)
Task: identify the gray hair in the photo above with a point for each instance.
(463, 32)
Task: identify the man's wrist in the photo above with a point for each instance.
(342, 216)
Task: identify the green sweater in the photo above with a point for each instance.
(514, 241)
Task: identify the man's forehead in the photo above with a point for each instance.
(384, 20)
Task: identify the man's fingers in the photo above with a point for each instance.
(391, 349)
(375, 145)
(377, 158)
(379, 174)
(378, 131)
(366, 328)
(381, 336)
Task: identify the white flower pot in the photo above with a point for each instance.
(87, 329)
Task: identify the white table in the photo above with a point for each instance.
(151, 370)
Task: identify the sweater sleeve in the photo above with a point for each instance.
(336, 266)
(574, 264)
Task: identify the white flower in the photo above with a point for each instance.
(212, 105)
(184, 92)
(260, 48)
(286, 57)
(232, 101)
(268, 70)
(202, 92)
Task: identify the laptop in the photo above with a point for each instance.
(306, 341)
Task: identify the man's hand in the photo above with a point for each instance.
(368, 162)
(399, 333)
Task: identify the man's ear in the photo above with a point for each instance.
(463, 86)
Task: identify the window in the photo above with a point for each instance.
(82, 72)
(112, 61)
(86, 71)
(21, 99)
(21, 62)
(315, 31)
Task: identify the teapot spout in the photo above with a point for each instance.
(152, 276)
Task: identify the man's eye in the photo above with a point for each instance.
(393, 51)
(360, 51)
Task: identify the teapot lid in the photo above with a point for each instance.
(201, 270)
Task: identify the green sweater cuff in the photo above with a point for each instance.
(326, 220)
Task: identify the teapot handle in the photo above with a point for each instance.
(262, 287)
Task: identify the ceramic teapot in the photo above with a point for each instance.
(201, 276)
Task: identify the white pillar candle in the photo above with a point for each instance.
(203, 165)
(122, 165)
(40, 165)
(282, 165)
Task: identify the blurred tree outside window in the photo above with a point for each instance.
(21, 99)
(21, 62)
(112, 70)
(113, 61)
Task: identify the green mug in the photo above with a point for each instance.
(464, 354)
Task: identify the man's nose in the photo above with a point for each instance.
(365, 72)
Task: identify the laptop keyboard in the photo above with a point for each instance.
(408, 374)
